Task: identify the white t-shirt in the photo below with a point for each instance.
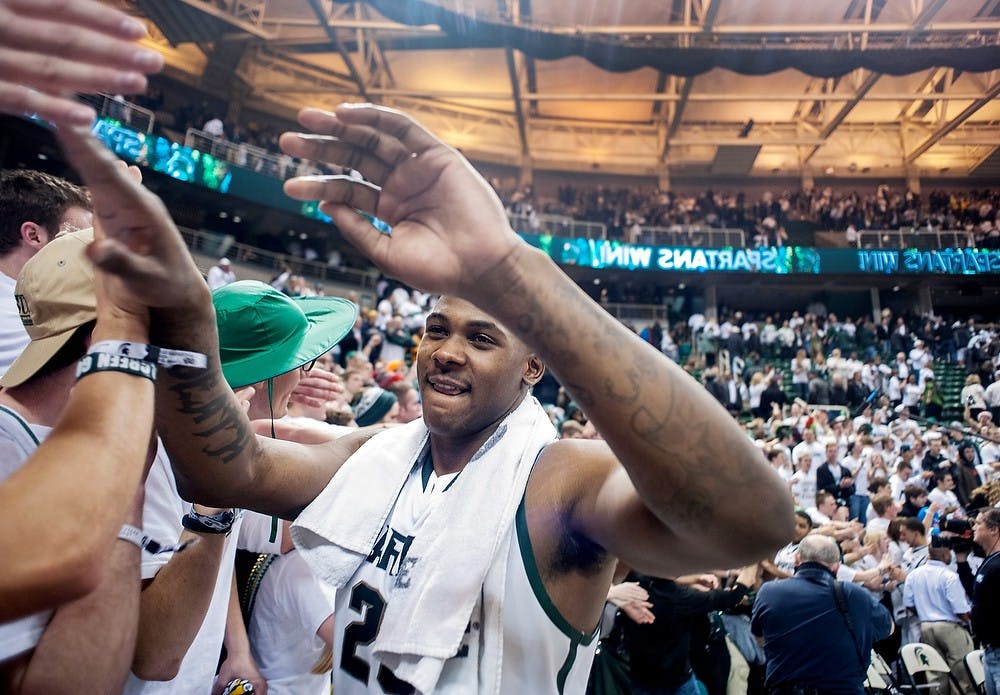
(800, 370)
(803, 487)
(217, 277)
(13, 337)
(815, 449)
(290, 607)
(946, 498)
(21, 635)
(161, 519)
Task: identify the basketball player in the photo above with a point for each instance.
(471, 549)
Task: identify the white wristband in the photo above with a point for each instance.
(151, 353)
(135, 536)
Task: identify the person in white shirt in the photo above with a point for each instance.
(992, 396)
(886, 509)
(809, 444)
(935, 594)
(904, 429)
(800, 374)
(911, 393)
(823, 509)
(920, 357)
(900, 479)
(803, 481)
(476, 366)
(943, 492)
(215, 127)
(220, 274)
(894, 386)
(34, 207)
(901, 365)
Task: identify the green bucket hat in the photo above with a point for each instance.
(264, 333)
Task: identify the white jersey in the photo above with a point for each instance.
(542, 653)
(18, 441)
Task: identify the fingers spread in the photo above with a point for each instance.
(17, 100)
(54, 75)
(332, 150)
(72, 43)
(386, 121)
(88, 13)
(338, 189)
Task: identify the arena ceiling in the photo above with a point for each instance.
(670, 88)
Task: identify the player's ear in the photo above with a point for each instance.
(533, 370)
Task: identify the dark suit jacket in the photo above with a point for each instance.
(826, 481)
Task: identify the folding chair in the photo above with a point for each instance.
(874, 683)
(879, 676)
(977, 674)
(925, 661)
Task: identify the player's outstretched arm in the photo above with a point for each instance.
(705, 487)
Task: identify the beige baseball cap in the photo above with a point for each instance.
(55, 296)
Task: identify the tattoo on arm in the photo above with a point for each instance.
(217, 417)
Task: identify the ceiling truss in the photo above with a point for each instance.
(523, 112)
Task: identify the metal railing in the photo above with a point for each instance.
(557, 225)
(692, 235)
(215, 245)
(678, 235)
(916, 239)
(241, 154)
(638, 313)
(125, 112)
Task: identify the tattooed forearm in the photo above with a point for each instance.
(217, 418)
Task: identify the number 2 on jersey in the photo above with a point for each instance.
(368, 602)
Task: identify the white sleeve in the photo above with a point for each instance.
(260, 533)
(845, 573)
(162, 510)
(306, 596)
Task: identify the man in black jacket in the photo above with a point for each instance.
(833, 477)
(986, 596)
(659, 652)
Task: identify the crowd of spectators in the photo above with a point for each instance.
(746, 360)
(626, 211)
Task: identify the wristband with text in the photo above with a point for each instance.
(102, 362)
(150, 353)
(137, 537)
(214, 523)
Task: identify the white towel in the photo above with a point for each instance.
(459, 556)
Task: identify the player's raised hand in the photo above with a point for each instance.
(135, 238)
(50, 48)
(448, 226)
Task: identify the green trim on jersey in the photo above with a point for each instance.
(426, 469)
(567, 666)
(20, 420)
(538, 586)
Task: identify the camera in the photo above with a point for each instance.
(956, 535)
